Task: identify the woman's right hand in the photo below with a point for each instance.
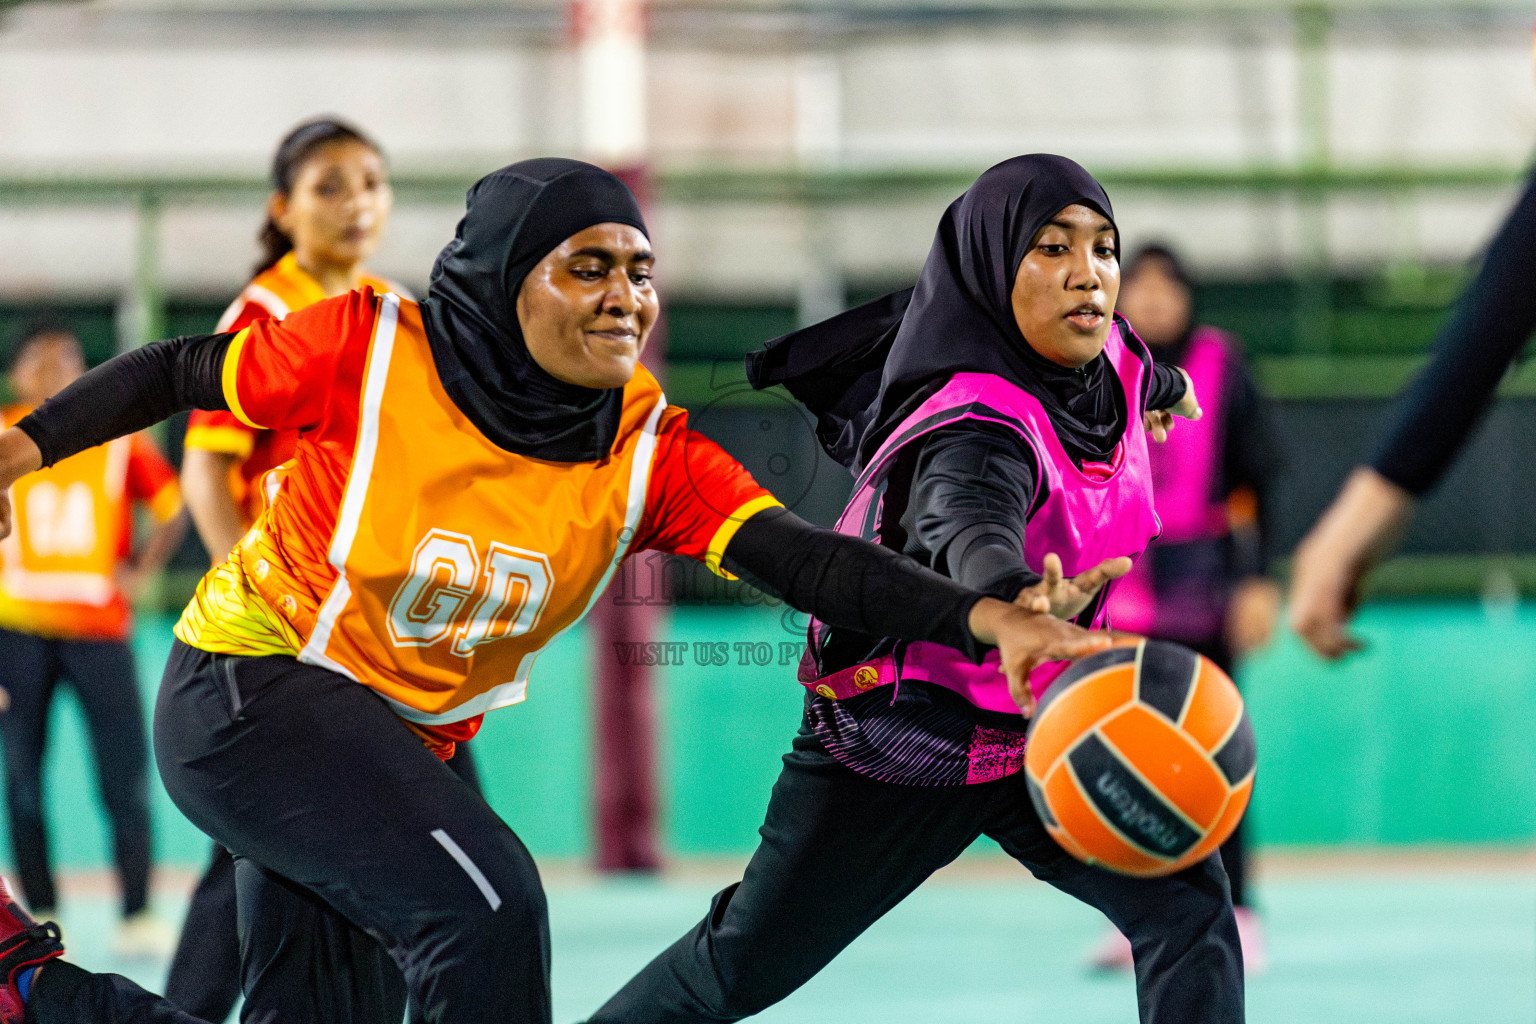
(1332, 559)
(19, 455)
(1026, 639)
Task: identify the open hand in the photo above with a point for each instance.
(1026, 639)
(18, 457)
(1064, 598)
(1333, 558)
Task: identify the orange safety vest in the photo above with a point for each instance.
(72, 526)
(69, 529)
(453, 562)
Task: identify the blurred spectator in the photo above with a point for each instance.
(67, 574)
(1202, 583)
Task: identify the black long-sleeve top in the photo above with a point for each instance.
(1491, 322)
(959, 502)
(839, 579)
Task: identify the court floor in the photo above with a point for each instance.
(1438, 943)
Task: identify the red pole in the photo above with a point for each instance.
(609, 41)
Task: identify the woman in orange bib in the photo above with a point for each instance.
(467, 478)
(66, 579)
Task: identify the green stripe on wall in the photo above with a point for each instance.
(1426, 737)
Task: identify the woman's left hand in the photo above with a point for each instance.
(1065, 597)
(1159, 422)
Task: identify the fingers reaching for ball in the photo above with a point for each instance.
(1027, 639)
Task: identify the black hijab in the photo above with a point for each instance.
(513, 218)
(862, 372)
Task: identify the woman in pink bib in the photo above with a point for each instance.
(993, 419)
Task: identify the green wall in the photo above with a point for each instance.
(1426, 737)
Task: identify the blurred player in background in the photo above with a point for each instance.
(1492, 322)
(329, 205)
(1202, 582)
(67, 575)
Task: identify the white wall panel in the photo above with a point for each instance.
(174, 96)
(178, 109)
(1460, 101)
(47, 250)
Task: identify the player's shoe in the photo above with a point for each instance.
(143, 936)
(1113, 953)
(1251, 936)
(23, 943)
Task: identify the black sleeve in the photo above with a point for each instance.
(1492, 320)
(1252, 459)
(1166, 386)
(130, 392)
(972, 491)
(851, 583)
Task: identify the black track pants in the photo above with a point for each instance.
(205, 972)
(102, 674)
(354, 847)
(204, 978)
(839, 850)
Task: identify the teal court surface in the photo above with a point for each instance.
(1396, 810)
(1417, 941)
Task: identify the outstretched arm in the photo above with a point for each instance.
(130, 392)
(973, 491)
(267, 371)
(121, 396)
(1492, 320)
(845, 581)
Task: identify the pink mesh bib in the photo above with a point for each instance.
(1091, 513)
(1184, 471)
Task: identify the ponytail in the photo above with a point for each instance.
(292, 154)
(274, 246)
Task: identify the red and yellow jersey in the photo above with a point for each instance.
(73, 526)
(410, 553)
(282, 288)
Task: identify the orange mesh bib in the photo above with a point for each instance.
(459, 561)
(69, 529)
